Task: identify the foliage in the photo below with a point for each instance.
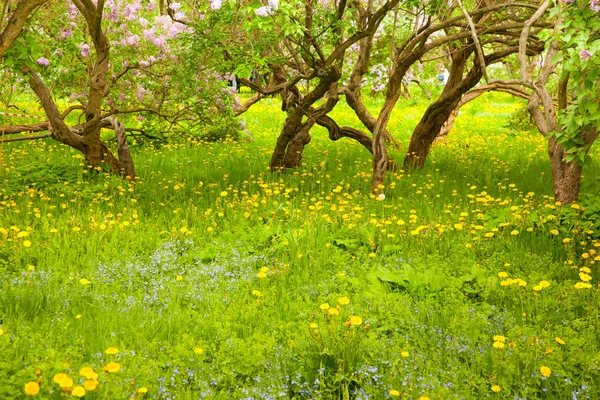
(206, 272)
(580, 58)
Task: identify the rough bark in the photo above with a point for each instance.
(566, 176)
(16, 22)
(293, 124)
(440, 110)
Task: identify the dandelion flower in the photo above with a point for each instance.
(582, 285)
(198, 350)
(404, 354)
(324, 306)
(355, 320)
(88, 373)
(32, 388)
(78, 391)
(63, 380)
(313, 325)
(394, 393)
(502, 275)
(585, 277)
(261, 275)
(498, 345)
(344, 301)
(559, 340)
(84, 281)
(112, 350)
(112, 367)
(499, 338)
(142, 390)
(90, 385)
(544, 284)
(545, 371)
(513, 233)
(496, 389)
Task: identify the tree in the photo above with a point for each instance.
(113, 59)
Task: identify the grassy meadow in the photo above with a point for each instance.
(211, 278)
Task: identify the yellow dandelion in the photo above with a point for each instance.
(32, 388)
(112, 367)
(223, 193)
(88, 373)
(496, 389)
(344, 301)
(513, 233)
(78, 391)
(537, 288)
(198, 350)
(355, 320)
(545, 371)
(324, 306)
(394, 393)
(261, 275)
(502, 275)
(333, 311)
(404, 354)
(499, 338)
(585, 277)
(498, 345)
(84, 281)
(544, 284)
(112, 350)
(142, 390)
(27, 243)
(90, 385)
(582, 285)
(559, 340)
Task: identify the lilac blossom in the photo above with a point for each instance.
(274, 4)
(216, 4)
(85, 49)
(264, 11)
(585, 55)
(43, 61)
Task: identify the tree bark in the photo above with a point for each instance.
(566, 176)
(440, 110)
(16, 22)
(293, 125)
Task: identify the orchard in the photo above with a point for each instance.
(285, 199)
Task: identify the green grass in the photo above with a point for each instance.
(174, 258)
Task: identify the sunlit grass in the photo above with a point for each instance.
(209, 274)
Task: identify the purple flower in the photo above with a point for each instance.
(216, 4)
(274, 4)
(568, 1)
(264, 11)
(585, 55)
(85, 49)
(43, 61)
(595, 5)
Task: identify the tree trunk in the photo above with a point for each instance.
(566, 176)
(293, 126)
(440, 110)
(293, 154)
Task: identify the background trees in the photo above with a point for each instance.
(167, 65)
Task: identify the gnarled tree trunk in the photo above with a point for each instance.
(566, 176)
